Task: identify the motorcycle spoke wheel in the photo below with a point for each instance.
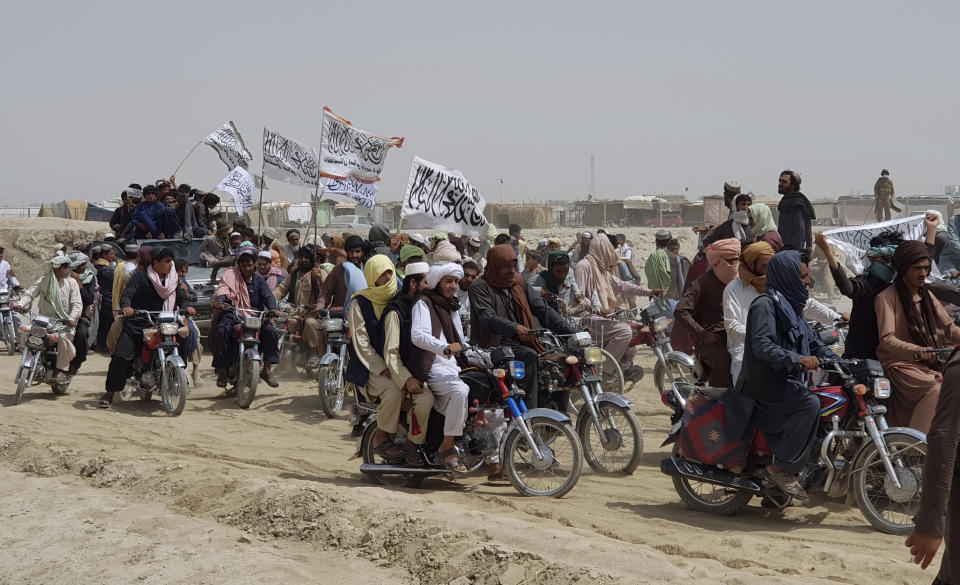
(890, 509)
(174, 391)
(247, 383)
(330, 389)
(557, 472)
(673, 372)
(22, 380)
(621, 447)
(370, 456)
(10, 338)
(709, 497)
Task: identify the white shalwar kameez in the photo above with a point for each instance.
(448, 389)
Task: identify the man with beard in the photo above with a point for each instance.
(103, 263)
(397, 353)
(701, 310)
(470, 273)
(334, 291)
(579, 250)
(246, 290)
(771, 392)
(58, 297)
(302, 289)
(504, 311)
(274, 275)
(474, 245)
(738, 226)
(796, 214)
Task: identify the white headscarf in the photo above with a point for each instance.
(438, 271)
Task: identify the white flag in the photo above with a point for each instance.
(289, 161)
(854, 241)
(239, 183)
(346, 151)
(228, 143)
(442, 199)
(359, 191)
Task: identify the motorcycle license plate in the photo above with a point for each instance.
(34, 340)
(590, 379)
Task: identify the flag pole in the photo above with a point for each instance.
(174, 174)
(260, 210)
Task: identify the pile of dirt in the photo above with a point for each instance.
(28, 242)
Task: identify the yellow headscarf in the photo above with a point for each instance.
(379, 296)
(748, 267)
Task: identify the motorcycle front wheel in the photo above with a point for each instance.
(10, 337)
(556, 472)
(330, 388)
(620, 447)
(369, 456)
(173, 392)
(886, 507)
(247, 380)
(677, 373)
(23, 377)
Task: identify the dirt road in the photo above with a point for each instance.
(223, 495)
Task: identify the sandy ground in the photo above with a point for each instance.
(222, 495)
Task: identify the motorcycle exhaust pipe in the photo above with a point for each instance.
(677, 467)
(385, 469)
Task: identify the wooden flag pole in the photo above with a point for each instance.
(260, 210)
(174, 174)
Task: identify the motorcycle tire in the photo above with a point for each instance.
(10, 337)
(624, 446)
(369, 456)
(550, 436)
(247, 381)
(60, 389)
(681, 373)
(871, 483)
(173, 390)
(330, 388)
(146, 396)
(22, 378)
(724, 502)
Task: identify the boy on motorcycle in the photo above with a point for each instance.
(153, 289)
(770, 392)
(58, 297)
(243, 288)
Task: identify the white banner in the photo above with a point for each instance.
(239, 183)
(854, 241)
(442, 199)
(289, 161)
(361, 192)
(346, 151)
(228, 143)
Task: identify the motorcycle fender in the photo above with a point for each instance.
(361, 429)
(175, 361)
(548, 413)
(613, 398)
(252, 354)
(679, 357)
(28, 360)
(328, 359)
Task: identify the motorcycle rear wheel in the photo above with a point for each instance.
(247, 380)
(872, 487)
(369, 456)
(708, 497)
(680, 373)
(173, 390)
(625, 439)
(560, 470)
(330, 388)
(22, 377)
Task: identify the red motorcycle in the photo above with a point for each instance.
(854, 451)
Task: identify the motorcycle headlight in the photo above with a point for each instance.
(169, 328)
(518, 370)
(594, 355)
(660, 324)
(149, 333)
(252, 322)
(881, 388)
(332, 324)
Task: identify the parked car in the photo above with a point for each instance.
(359, 224)
(669, 220)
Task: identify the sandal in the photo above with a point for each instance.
(450, 460)
(495, 473)
(413, 456)
(788, 484)
(388, 449)
(105, 401)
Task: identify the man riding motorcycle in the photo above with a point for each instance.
(58, 297)
(302, 289)
(87, 282)
(153, 289)
(243, 288)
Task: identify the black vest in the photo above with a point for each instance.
(356, 371)
(411, 355)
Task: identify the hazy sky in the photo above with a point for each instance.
(96, 95)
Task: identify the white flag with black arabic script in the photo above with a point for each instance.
(854, 241)
(289, 161)
(442, 199)
(360, 192)
(239, 183)
(228, 143)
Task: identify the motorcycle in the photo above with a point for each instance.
(832, 336)
(244, 374)
(290, 344)
(608, 430)
(538, 449)
(39, 358)
(672, 366)
(855, 452)
(331, 375)
(7, 323)
(160, 366)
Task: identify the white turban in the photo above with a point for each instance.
(438, 271)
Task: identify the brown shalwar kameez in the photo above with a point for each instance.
(701, 311)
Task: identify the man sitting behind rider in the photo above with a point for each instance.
(397, 353)
(58, 297)
(242, 287)
(438, 334)
(771, 391)
(302, 289)
(153, 289)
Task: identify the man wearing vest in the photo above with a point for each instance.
(438, 335)
(367, 367)
(398, 353)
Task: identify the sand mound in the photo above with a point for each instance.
(31, 241)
